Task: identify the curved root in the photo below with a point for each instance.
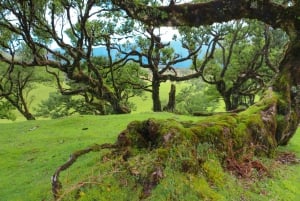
(56, 184)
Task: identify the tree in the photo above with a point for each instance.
(35, 25)
(123, 83)
(239, 70)
(150, 52)
(202, 98)
(58, 105)
(15, 86)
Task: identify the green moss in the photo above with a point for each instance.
(176, 186)
(201, 186)
(214, 172)
(239, 134)
(281, 122)
(283, 82)
(110, 188)
(162, 153)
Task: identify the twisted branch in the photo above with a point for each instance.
(56, 184)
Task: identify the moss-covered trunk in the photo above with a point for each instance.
(287, 88)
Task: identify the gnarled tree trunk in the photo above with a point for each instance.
(172, 99)
(287, 86)
(155, 94)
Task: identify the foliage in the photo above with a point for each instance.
(16, 84)
(74, 56)
(201, 98)
(127, 82)
(130, 41)
(246, 58)
(6, 111)
(57, 106)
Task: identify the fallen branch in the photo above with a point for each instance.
(56, 184)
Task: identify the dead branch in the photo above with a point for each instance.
(56, 184)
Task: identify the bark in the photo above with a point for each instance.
(287, 87)
(155, 94)
(172, 99)
(198, 14)
(109, 96)
(21, 106)
(29, 116)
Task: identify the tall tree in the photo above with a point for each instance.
(160, 57)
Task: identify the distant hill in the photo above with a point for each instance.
(101, 51)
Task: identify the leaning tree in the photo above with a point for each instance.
(152, 150)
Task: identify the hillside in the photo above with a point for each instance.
(31, 151)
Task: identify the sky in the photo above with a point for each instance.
(166, 32)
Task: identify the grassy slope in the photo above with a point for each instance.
(31, 151)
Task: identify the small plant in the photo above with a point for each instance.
(6, 111)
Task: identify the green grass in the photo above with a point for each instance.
(30, 151)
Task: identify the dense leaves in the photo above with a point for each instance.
(202, 98)
(6, 110)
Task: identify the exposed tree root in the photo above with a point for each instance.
(287, 158)
(56, 184)
(244, 168)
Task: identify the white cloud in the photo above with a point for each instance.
(166, 33)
